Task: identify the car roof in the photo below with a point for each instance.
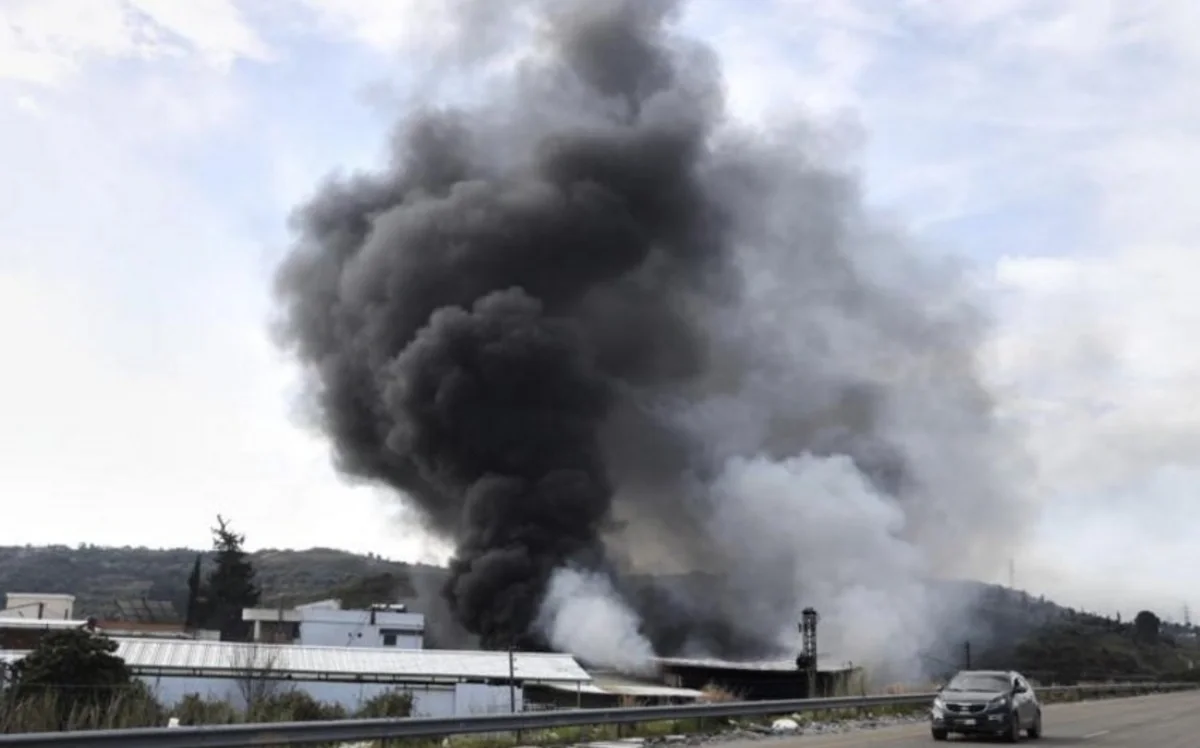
(987, 672)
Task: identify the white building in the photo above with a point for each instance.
(38, 605)
(326, 624)
(443, 683)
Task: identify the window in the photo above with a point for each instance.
(975, 681)
(389, 639)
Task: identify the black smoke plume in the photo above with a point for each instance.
(469, 323)
(585, 324)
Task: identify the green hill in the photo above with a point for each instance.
(100, 577)
(1009, 628)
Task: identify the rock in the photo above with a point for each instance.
(785, 725)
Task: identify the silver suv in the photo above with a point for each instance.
(986, 702)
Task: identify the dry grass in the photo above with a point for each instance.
(49, 712)
(136, 707)
(714, 694)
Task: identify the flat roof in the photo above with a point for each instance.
(165, 656)
(774, 666)
(41, 595)
(16, 622)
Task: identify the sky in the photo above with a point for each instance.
(153, 149)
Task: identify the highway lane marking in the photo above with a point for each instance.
(1096, 734)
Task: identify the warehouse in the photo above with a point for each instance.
(443, 683)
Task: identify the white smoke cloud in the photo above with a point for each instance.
(850, 342)
(817, 525)
(583, 614)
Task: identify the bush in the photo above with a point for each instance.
(72, 673)
(293, 706)
(194, 709)
(395, 704)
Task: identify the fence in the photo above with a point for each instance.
(356, 730)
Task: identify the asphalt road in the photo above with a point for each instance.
(1160, 721)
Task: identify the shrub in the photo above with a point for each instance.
(74, 672)
(293, 706)
(194, 709)
(395, 703)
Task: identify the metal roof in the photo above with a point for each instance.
(615, 685)
(167, 656)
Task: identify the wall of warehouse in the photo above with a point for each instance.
(429, 700)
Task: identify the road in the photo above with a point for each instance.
(1160, 721)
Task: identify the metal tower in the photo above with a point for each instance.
(807, 660)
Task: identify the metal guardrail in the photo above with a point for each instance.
(357, 730)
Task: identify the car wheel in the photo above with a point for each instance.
(1014, 729)
(940, 734)
(1035, 730)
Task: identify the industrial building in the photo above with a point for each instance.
(25, 633)
(442, 682)
(762, 680)
(327, 624)
(38, 605)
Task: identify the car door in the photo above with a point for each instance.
(1026, 706)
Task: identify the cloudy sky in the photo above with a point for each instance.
(150, 151)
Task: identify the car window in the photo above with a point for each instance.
(979, 682)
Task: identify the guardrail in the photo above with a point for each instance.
(357, 730)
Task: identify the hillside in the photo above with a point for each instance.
(1009, 628)
(100, 577)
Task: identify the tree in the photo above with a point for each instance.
(257, 680)
(72, 669)
(194, 612)
(1146, 627)
(230, 586)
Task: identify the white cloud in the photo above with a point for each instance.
(45, 41)
(1057, 142)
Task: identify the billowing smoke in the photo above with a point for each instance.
(583, 614)
(595, 330)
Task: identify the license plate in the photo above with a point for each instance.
(971, 721)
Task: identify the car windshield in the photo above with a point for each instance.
(979, 682)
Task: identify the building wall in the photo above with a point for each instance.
(353, 628)
(332, 627)
(429, 700)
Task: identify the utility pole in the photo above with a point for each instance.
(512, 681)
(512, 685)
(967, 654)
(1012, 574)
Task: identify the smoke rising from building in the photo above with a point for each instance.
(595, 330)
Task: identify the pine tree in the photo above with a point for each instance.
(195, 599)
(230, 586)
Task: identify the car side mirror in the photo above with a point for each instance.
(1018, 688)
